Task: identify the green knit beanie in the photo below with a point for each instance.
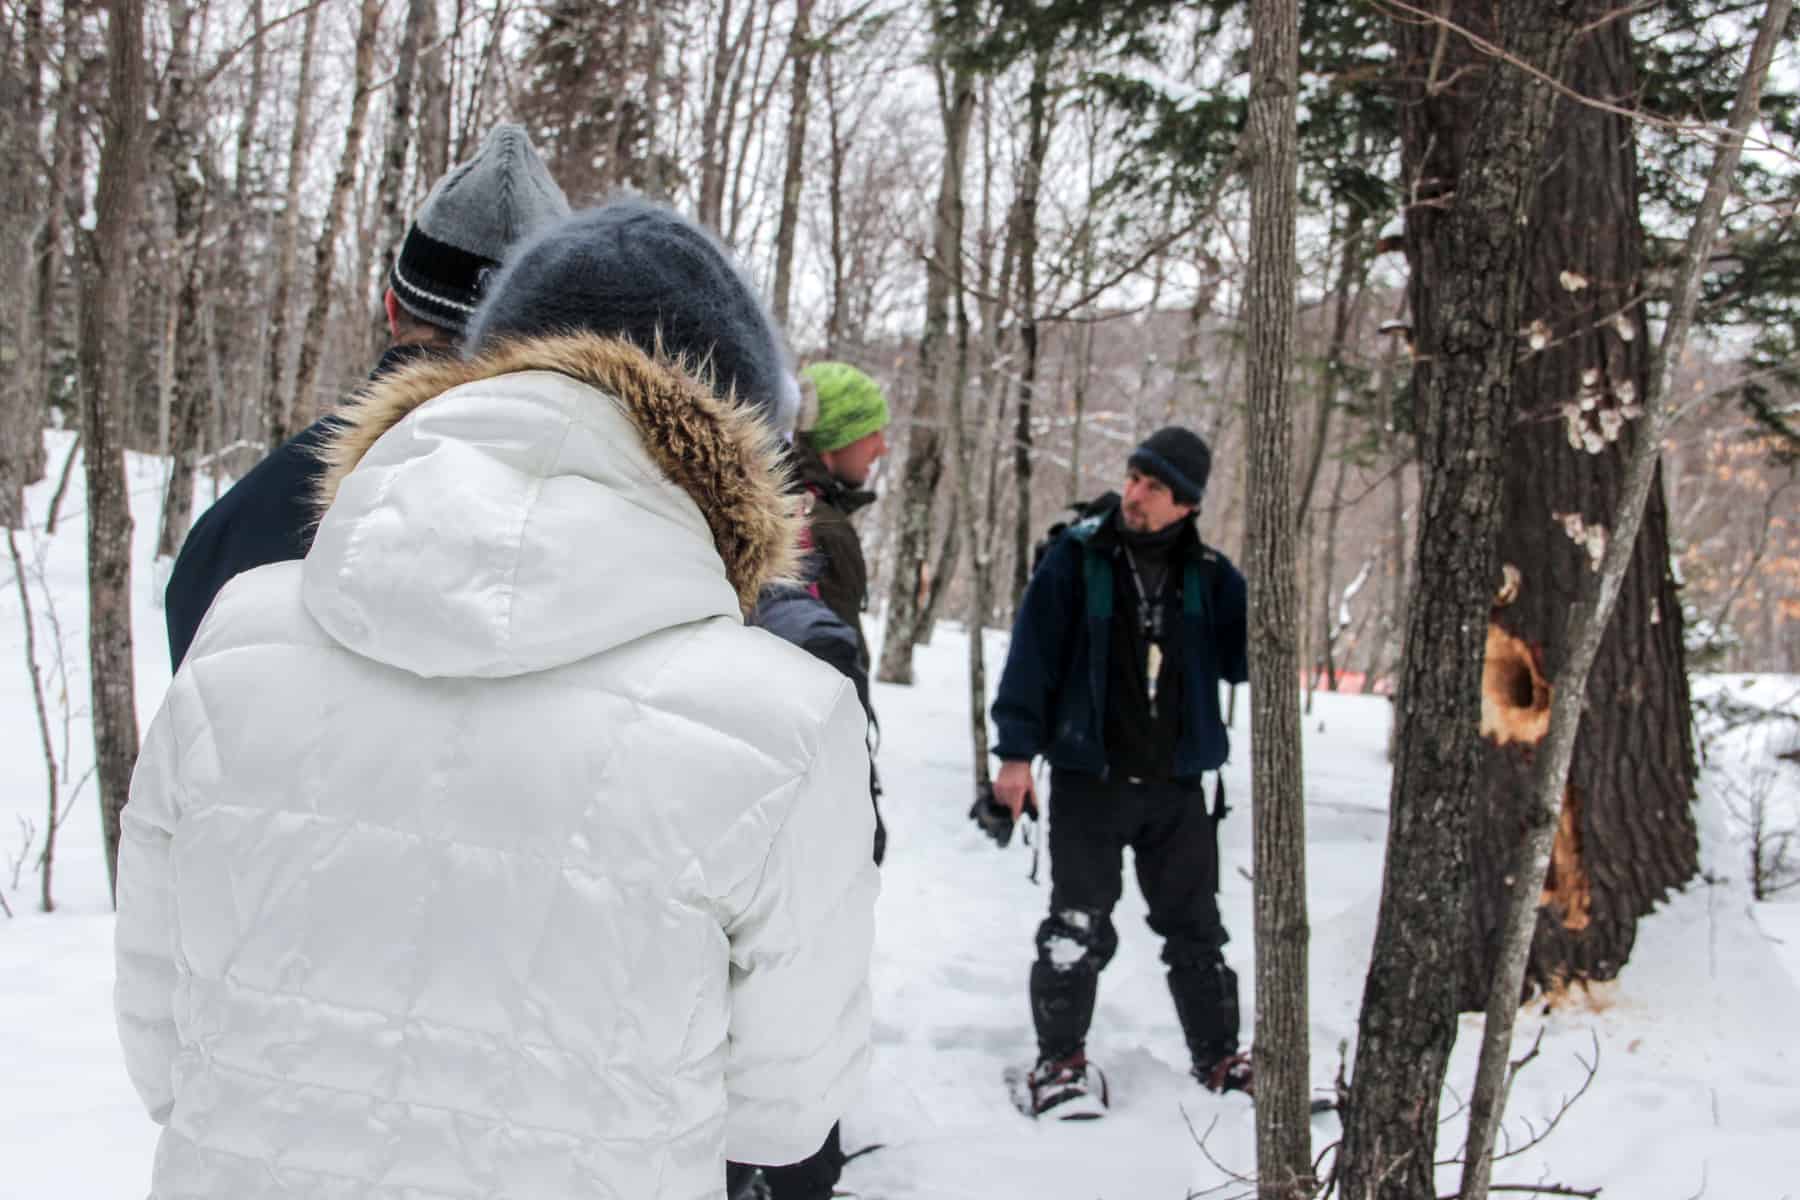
(851, 406)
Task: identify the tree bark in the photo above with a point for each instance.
(106, 287)
(183, 158)
(1283, 1129)
(924, 445)
(1472, 134)
(20, 393)
(307, 401)
(714, 143)
(800, 51)
(1629, 826)
(834, 322)
(434, 96)
(1039, 117)
(276, 420)
(390, 219)
(1587, 620)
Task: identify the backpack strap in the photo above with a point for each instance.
(1194, 578)
(1096, 571)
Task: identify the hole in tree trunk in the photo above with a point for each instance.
(1515, 696)
(1566, 885)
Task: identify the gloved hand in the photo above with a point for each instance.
(995, 818)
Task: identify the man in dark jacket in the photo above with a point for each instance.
(471, 217)
(1124, 634)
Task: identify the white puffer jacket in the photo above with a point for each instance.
(486, 853)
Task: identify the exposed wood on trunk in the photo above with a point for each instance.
(1558, 798)
(1633, 758)
(106, 288)
(1471, 138)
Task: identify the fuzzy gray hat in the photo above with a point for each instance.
(468, 222)
(641, 272)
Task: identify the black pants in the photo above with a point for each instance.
(1175, 842)
(812, 1178)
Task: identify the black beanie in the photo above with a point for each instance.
(1179, 458)
(637, 271)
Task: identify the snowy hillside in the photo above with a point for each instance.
(1698, 1043)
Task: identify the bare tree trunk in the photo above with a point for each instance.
(20, 393)
(980, 593)
(307, 403)
(62, 201)
(1589, 617)
(106, 287)
(276, 421)
(475, 112)
(183, 158)
(1329, 628)
(46, 860)
(1038, 122)
(801, 52)
(1351, 264)
(761, 95)
(712, 143)
(1473, 164)
(246, 130)
(1283, 1129)
(924, 446)
(390, 221)
(834, 323)
(434, 94)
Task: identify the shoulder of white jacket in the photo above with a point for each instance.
(261, 607)
(752, 668)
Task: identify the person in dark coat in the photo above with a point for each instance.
(1124, 634)
(470, 219)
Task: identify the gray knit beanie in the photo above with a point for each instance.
(641, 272)
(471, 218)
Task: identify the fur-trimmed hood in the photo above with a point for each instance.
(540, 503)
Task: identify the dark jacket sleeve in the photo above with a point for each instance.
(840, 573)
(1035, 660)
(266, 517)
(1232, 623)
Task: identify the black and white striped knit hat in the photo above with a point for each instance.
(471, 218)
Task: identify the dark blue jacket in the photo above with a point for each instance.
(265, 517)
(799, 618)
(1052, 698)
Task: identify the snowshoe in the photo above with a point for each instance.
(1232, 1073)
(1069, 1089)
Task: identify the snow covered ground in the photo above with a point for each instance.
(1698, 1083)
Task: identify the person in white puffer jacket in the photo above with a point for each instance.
(486, 852)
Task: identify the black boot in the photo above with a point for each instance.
(1062, 1007)
(1206, 1002)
